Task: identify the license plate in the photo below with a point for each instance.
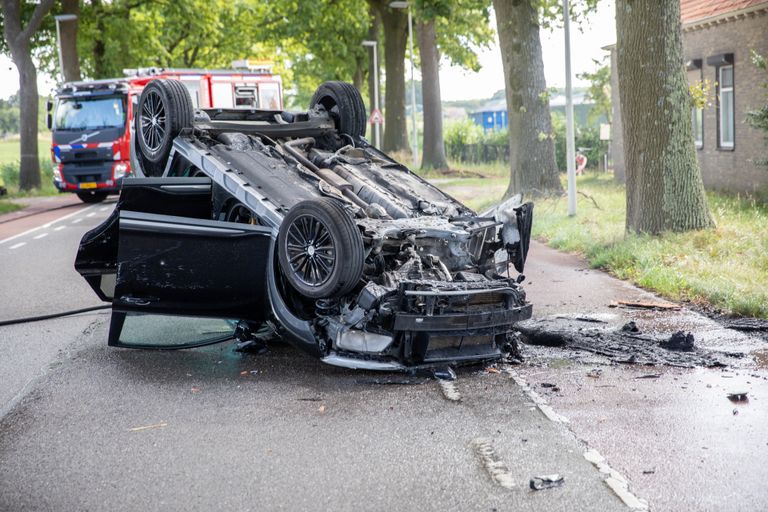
(87, 185)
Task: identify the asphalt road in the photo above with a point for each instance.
(92, 428)
(87, 427)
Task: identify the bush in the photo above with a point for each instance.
(587, 142)
(459, 134)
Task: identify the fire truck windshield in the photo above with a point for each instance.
(90, 113)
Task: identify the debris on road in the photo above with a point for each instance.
(649, 376)
(747, 324)
(630, 326)
(538, 483)
(646, 305)
(595, 373)
(679, 341)
(740, 396)
(148, 427)
(445, 373)
(619, 345)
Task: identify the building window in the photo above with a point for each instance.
(697, 118)
(726, 107)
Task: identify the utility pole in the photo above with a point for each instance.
(415, 144)
(569, 136)
(376, 125)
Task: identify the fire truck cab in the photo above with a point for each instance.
(92, 122)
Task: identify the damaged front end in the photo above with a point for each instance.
(437, 291)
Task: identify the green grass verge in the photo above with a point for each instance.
(725, 268)
(8, 207)
(9, 168)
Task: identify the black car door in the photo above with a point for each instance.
(175, 279)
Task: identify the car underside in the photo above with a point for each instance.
(293, 220)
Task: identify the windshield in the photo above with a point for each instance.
(90, 113)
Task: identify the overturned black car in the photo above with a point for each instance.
(246, 218)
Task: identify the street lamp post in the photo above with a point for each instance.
(59, 18)
(570, 152)
(415, 144)
(376, 125)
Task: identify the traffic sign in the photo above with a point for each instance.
(376, 117)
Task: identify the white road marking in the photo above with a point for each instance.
(494, 466)
(59, 228)
(77, 220)
(16, 246)
(449, 389)
(104, 208)
(615, 481)
(537, 399)
(91, 214)
(41, 235)
(44, 226)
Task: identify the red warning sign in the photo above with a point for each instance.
(376, 117)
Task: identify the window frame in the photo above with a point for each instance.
(721, 120)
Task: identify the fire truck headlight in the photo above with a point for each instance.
(56, 173)
(120, 170)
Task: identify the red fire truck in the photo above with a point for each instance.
(91, 122)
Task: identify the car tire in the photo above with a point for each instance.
(91, 197)
(164, 110)
(322, 271)
(345, 105)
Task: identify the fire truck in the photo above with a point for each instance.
(92, 122)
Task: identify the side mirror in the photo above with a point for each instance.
(49, 115)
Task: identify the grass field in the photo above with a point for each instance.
(725, 268)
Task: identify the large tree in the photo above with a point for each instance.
(433, 152)
(395, 25)
(18, 37)
(531, 146)
(455, 29)
(664, 186)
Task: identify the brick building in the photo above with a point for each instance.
(718, 36)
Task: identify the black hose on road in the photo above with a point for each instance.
(52, 315)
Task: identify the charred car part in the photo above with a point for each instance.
(295, 219)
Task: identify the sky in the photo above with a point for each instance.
(456, 83)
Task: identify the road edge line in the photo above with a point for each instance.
(47, 224)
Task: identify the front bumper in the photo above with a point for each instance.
(437, 326)
(91, 177)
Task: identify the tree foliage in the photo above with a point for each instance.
(599, 90)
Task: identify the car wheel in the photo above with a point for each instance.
(344, 104)
(92, 197)
(164, 109)
(320, 249)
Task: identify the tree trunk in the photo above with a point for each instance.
(69, 55)
(395, 23)
(531, 140)
(19, 41)
(664, 186)
(29, 170)
(433, 156)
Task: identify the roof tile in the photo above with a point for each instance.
(695, 10)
